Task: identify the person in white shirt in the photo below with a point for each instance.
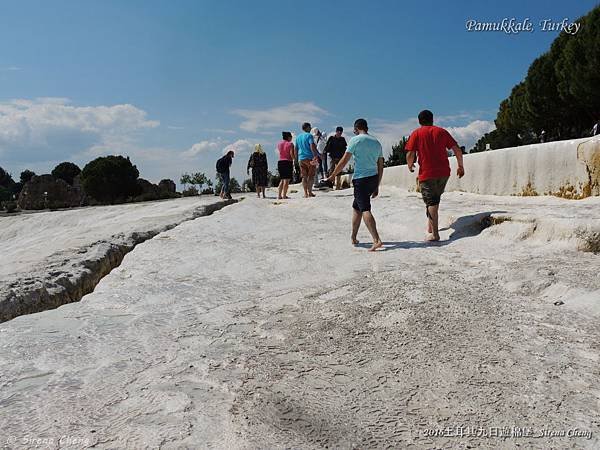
(320, 142)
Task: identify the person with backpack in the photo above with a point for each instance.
(223, 165)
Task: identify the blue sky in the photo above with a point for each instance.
(174, 83)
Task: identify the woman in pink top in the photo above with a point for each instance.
(285, 165)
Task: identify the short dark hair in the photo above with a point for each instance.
(340, 129)
(306, 126)
(426, 117)
(286, 135)
(361, 124)
(230, 153)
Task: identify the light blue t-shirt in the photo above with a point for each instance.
(303, 144)
(366, 151)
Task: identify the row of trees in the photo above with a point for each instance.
(105, 180)
(197, 181)
(560, 96)
(10, 189)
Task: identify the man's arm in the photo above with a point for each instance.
(340, 166)
(410, 160)
(314, 150)
(293, 152)
(327, 145)
(379, 176)
(459, 159)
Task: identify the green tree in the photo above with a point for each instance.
(185, 179)
(6, 179)
(198, 179)
(66, 171)
(110, 179)
(398, 156)
(26, 175)
(218, 184)
(5, 194)
(234, 186)
(578, 69)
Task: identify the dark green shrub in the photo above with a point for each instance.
(66, 171)
(6, 180)
(190, 192)
(27, 175)
(110, 179)
(9, 206)
(5, 194)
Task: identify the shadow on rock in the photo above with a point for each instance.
(465, 226)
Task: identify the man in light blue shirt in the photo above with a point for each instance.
(368, 171)
(308, 157)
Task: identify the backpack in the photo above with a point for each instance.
(222, 165)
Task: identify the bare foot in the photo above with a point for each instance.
(354, 241)
(312, 195)
(432, 237)
(286, 197)
(376, 245)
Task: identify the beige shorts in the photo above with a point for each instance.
(307, 170)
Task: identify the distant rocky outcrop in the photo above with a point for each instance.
(167, 186)
(150, 191)
(147, 190)
(45, 191)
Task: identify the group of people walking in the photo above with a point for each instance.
(428, 145)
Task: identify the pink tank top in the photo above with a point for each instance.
(285, 150)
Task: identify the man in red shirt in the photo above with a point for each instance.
(430, 143)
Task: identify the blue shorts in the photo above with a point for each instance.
(363, 189)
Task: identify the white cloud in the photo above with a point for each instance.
(389, 133)
(173, 127)
(49, 128)
(469, 134)
(219, 130)
(10, 69)
(280, 116)
(240, 147)
(203, 147)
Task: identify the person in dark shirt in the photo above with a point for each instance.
(223, 165)
(336, 147)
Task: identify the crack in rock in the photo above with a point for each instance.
(69, 277)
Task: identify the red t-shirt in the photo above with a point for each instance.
(430, 144)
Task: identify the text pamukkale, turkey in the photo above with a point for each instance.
(515, 26)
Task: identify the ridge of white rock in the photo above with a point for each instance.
(569, 169)
(53, 258)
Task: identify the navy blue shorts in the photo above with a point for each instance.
(363, 189)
